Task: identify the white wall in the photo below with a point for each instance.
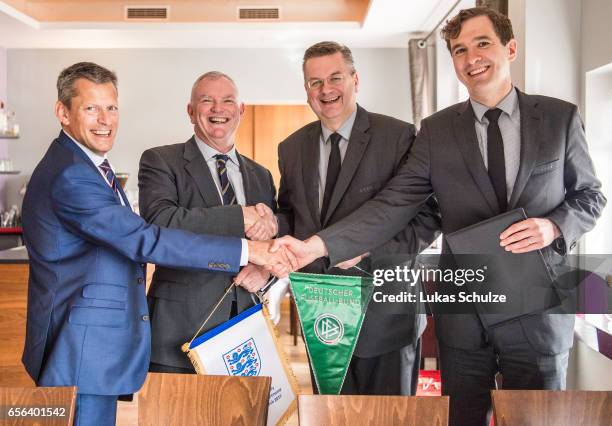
(551, 47)
(3, 143)
(3, 73)
(598, 102)
(596, 83)
(588, 369)
(154, 86)
(596, 34)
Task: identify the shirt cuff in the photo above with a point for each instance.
(244, 254)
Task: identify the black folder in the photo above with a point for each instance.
(524, 278)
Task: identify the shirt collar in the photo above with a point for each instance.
(344, 130)
(95, 158)
(507, 105)
(209, 152)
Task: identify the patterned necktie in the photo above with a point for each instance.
(110, 176)
(495, 158)
(333, 170)
(227, 192)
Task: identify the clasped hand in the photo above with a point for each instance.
(259, 222)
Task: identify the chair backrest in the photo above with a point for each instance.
(190, 399)
(554, 408)
(331, 410)
(46, 406)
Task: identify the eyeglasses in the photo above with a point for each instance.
(332, 80)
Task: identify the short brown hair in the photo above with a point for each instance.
(87, 70)
(325, 48)
(501, 24)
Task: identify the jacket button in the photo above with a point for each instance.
(140, 280)
(145, 318)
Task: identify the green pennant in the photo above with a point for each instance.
(331, 310)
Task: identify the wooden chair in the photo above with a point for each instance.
(190, 399)
(41, 406)
(331, 410)
(554, 408)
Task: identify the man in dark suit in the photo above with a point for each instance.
(87, 319)
(328, 169)
(500, 150)
(181, 186)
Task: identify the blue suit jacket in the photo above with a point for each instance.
(87, 322)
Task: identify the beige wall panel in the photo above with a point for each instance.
(273, 123)
(245, 134)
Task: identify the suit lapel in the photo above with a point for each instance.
(531, 118)
(65, 140)
(246, 172)
(468, 145)
(310, 172)
(197, 168)
(354, 152)
(125, 198)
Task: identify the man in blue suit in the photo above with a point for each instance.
(87, 322)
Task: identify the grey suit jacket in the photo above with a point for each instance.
(556, 180)
(178, 191)
(377, 147)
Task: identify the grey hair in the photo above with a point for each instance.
(95, 73)
(213, 75)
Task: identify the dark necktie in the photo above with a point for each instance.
(333, 170)
(110, 176)
(229, 197)
(227, 192)
(495, 157)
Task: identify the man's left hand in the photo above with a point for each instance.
(252, 277)
(529, 234)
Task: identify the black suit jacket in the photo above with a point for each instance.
(178, 191)
(377, 147)
(556, 180)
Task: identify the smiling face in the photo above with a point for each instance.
(333, 96)
(93, 116)
(482, 62)
(215, 112)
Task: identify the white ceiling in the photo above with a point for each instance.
(389, 23)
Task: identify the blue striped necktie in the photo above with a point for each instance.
(227, 192)
(110, 176)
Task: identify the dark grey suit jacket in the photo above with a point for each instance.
(556, 180)
(377, 147)
(178, 191)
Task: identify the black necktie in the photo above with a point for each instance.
(333, 170)
(110, 176)
(495, 157)
(227, 192)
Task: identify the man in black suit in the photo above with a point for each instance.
(204, 186)
(328, 169)
(500, 150)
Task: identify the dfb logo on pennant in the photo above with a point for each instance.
(243, 360)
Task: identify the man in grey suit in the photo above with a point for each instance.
(328, 169)
(204, 186)
(500, 150)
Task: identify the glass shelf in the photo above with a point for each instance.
(10, 172)
(5, 136)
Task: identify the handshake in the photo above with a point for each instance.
(280, 256)
(286, 254)
(277, 256)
